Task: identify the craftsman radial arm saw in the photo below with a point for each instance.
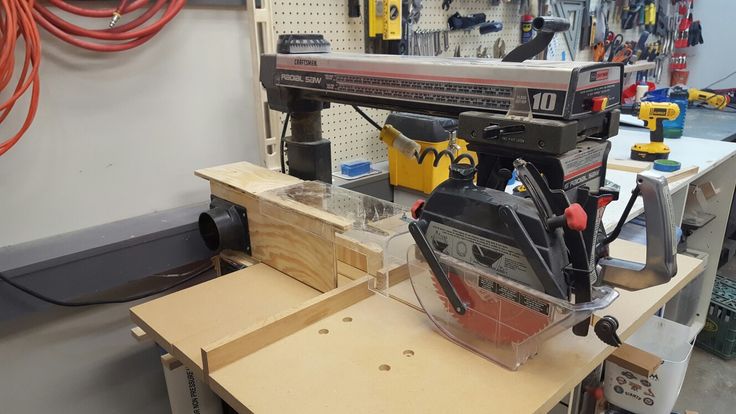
(548, 121)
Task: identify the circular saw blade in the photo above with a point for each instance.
(496, 313)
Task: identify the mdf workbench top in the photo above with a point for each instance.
(185, 321)
(381, 355)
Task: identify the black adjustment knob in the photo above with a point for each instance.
(606, 328)
(462, 171)
(505, 174)
(495, 131)
(492, 132)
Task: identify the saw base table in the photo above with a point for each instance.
(290, 349)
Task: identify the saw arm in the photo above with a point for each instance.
(660, 263)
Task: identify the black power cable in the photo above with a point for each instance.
(282, 143)
(191, 275)
(367, 118)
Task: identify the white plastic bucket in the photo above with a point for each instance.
(658, 393)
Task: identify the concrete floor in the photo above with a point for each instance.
(79, 361)
(83, 360)
(710, 385)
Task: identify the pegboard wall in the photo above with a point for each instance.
(433, 17)
(350, 135)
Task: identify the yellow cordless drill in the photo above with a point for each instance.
(654, 113)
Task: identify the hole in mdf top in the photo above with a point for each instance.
(384, 367)
(323, 331)
(408, 353)
(347, 319)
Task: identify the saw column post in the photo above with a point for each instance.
(309, 154)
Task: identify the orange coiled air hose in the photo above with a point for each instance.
(115, 38)
(16, 23)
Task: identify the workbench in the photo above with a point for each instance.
(278, 338)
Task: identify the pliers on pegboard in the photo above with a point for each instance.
(446, 4)
(499, 48)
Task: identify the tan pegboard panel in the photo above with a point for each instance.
(435, 18)
(351, 136)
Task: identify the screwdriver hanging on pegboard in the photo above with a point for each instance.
(353, 8)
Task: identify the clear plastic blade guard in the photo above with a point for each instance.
(505, 321)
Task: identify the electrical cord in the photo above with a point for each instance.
(721, 80)
(16, 22)
(188, 276)
(367, 118)
(438, 157)
(282, 143)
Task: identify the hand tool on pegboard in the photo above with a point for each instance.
(618, 10)
(685, 20)
(660, 25)
(353, 8)
(695, 36)
(631, 12)
(385, 19)
(614, 43)
(650, 15)
(460, 22)
(416, 11)
(499, 48)
(639, 48)
(490, 27)
(622, 55)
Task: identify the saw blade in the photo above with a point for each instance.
(497, 312)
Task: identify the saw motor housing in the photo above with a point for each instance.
(464, 221)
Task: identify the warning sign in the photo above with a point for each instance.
(502, 259)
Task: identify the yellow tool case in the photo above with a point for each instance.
(428, 132)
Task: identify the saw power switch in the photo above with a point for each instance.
(599, 104)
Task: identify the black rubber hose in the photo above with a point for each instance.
(195, 273)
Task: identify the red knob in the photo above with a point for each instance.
(598, 393)
(576, 218)
(416, 208)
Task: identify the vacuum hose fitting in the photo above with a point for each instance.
(224, 226)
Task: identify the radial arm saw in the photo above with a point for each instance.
(548, 121)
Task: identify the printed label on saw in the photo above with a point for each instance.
(582, 166)
(514, 295)
(311, 80)
(440, 93)
(504, 260)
